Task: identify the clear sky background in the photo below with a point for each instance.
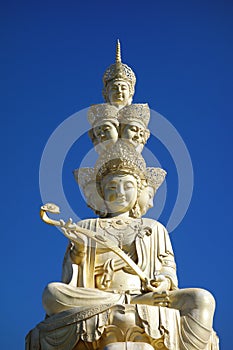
(53, 56)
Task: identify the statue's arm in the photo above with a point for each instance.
(78, 242)
(67, 268)
(169, 271)
(73, 258)
(166, 258)
(78, 253)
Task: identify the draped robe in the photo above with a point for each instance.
(79, 307)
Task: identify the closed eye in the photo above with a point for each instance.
(129, 185)
(133, 128)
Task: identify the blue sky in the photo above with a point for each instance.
(53, 56)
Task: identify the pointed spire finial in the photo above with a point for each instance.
(118, 52)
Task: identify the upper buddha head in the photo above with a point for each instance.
(119, 82)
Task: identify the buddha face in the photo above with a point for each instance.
(145, 200)
(120, 192)
(105, 132)
(104, 135)
(119, 93)
(134, 132)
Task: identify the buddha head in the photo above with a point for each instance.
(119, 192)
(153, 180)
(133, 121)
(86, 179)
(120, 173)
(104, 122)
(119, 82)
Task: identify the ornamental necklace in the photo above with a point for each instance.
(122, 230)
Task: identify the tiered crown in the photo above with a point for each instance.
(120, 157)
(155, 177)
(99, 113)
(139, 113)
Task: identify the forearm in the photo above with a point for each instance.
(169, 271)
(77, 253)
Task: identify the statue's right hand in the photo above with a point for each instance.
(68, 224)
(79, 246)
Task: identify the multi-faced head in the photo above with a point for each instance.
(121, 185)
(109, 123)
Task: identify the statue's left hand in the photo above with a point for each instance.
(160, 294)
(152, 298)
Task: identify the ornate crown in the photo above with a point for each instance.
(119, 71)
(155, 177)
(84, 177)
(138, 112)
(122, 157)
(99, 113)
